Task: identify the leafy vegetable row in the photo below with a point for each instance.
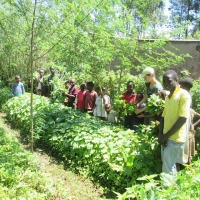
(20, 177)
(109, 154)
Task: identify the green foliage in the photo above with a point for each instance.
(155, 105)
(5, 95)
(20, 176)
(185, 73)
(130, 108)
(120, 108)
(109, 154)
(58, 90)
(95, 37)
(186, 185)
(21, 106)
(196, 96)
(182, 18)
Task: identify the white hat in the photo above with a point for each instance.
(148, 70)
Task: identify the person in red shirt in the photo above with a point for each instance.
(90, 98)
(72, 93)
(80, 99)
(130, 98)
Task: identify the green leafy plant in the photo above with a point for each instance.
(155, 104)
(108, 154)
(186, 185)
(20, 174)
(119, 106)
(5, 95)
(130, 108)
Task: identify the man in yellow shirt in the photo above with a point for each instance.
(173, 125)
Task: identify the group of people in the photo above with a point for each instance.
(140, 116)
(43, 87)
(176, 130)
(96, 103)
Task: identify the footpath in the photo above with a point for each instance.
(78, 187)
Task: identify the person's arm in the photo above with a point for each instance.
(76, 99)
(196, 123)
(106, 100)
(95, 108)
(69, 95)
(142, 101)
(162, 138)
(142, 115)
(73, 95)
(160, 135)
(161, 126)
(137, 110)
(95, 98)
(197, 114)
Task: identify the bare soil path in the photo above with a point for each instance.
(78, 187)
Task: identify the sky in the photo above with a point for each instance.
(167, 4)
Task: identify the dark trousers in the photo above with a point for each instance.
(131, 121)
(128, 121)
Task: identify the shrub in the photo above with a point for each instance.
(109, 154)
(5, 95)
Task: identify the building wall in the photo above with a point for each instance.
(192, 48)
(192, 64)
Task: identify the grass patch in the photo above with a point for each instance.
(35, 176)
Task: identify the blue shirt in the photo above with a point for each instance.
(18, 89)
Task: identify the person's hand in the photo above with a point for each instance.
(164, 144)
(137, 111)
(65, 94)
(162, 139)
(140, 115)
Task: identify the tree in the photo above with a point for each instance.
(78, 36)
(184, 15)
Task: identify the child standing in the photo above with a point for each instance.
(40, 83)
(90, 98)
(130, 97)
(17, 87)
(101, 104)
(72, 93)
(80, 99)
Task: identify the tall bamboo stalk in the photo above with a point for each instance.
(31, 66)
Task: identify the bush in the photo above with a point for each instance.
(20, 176)
(111, 155)
(196, 96)
(5, 95)
(184, 186)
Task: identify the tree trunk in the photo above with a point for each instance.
(31, 66)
